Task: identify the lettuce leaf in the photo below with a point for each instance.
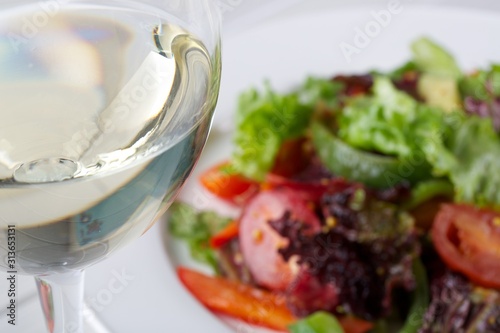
(481, 93)
(266, 119)
(399, 73)
(389, 122)
(469, 156)
(464, 149)
(196, 229)
(482, 85)
(319, 322)
(319, 90)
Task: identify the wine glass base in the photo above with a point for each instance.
(92, 323)
(29, 318)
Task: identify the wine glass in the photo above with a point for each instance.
(105, 106)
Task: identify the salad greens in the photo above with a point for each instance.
(368, 168)
(266, 119)
(427, 190)
(323, 90)
(421, 296)
(471, 160)
(388, 122)
(483, 85)
(319, 322)
(376, 139)
(196, 228)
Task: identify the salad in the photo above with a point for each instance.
(367, 203)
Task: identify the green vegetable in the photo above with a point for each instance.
(379, 123)
(482, 85)
(319, 322)
(371, 169)
(196, 229)
(391, 122)
(475, 86)
(319, 90)
(420, 303)
(264, 121)
(433, 59)
(399, 72)
(469, 156)
(427, 190)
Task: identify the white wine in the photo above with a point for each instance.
(104, 112)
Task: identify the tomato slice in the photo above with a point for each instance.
(468, 241)
(252, 305)
(221, 181)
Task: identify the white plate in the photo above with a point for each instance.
(301, 41)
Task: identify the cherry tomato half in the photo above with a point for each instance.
(468, 241)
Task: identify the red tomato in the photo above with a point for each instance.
(468, 241)
(227, 185)
(260, 243)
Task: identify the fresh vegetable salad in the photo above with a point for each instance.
(368, 203)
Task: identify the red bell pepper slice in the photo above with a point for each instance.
(225, 235)
(232, 187)
(244, 302)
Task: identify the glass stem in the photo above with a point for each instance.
(61, 297)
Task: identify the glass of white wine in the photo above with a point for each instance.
(105, 106)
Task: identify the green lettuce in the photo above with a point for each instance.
(266, 119)
(482, 85)
(420, 300)
(390, 122)
(469, 156)
(319, 322)
(399, 73)
(320, 90)
(196, 228)
(459, 148)
(463, 149)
